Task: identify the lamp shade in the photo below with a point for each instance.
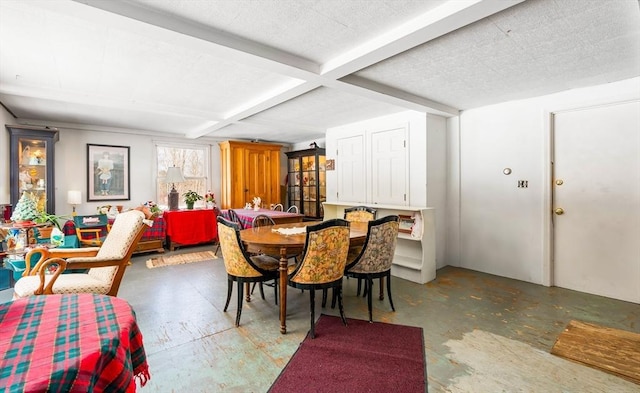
(74, 197)
(174, 175)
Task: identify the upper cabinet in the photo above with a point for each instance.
(306, 185)
(249, 170)
(31, 164)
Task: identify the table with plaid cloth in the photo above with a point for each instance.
(70, 343)
(246, 216)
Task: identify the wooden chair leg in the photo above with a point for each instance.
(389, 291)
(312, 301)
(229, 289)
(240, 296)
(369, 295)
(340, 305)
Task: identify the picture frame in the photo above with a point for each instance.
(405, 224)
(108, 173)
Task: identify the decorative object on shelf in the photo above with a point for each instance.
(174, 175)
(247, 206)
(257, 203)
(153, 207)
(406, 224)
(210, 200)
(190, 197)
(26, 208)
(103, 209)
(74, 198)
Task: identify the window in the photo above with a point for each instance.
(194, 161)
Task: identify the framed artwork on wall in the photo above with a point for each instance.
(108, 173)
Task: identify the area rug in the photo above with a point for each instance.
(611, 350)
(180, 259)
(360, 357)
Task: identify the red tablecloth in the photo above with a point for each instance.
(191, 226)
(70, 343)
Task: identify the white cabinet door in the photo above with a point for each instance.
(389, 166)
(350, 169)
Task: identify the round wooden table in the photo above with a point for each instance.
(264, 240)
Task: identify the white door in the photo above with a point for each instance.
(597, 185)
(350, 169)
(389, 166)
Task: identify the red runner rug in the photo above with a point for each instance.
(360, 357)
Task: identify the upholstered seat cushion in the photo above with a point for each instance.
(66, 283)
(265, 262)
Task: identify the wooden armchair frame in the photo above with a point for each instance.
(58, 261)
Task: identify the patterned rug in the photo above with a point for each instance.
(180, 259)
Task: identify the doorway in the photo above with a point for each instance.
(596, 200)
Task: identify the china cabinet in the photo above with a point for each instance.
(306, 187)
(249, 170)
(31, 164)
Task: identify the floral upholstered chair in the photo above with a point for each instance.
(240, 266)
(376, 256)
(106, 264)
(359, 214)
(323, 262)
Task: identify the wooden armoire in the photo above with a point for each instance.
(249, 170)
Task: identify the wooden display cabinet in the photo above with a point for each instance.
(31, 164)
(306, 187)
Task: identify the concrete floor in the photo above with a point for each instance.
(482, 333)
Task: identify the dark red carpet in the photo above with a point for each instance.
(360, 357)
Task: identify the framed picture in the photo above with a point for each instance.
(406, 224)
(108, 173)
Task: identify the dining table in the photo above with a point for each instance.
(246, 216)
(285, 240)
(70, 343)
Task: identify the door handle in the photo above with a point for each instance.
(559, 211)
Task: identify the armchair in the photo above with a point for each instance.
(106, 264)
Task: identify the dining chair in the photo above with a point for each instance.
(323, 262)
(262, 220)
(106, 264)
(233, 217)
(293, 209)
(278, 207)
(359, 214)
(240, 266)
(92, 229)
(376, 256)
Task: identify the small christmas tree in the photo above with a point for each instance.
(26, 208)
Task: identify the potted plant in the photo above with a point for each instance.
(190, 197)
(51, 219)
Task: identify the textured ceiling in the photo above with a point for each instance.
(284, 71)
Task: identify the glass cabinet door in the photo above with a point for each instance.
(31, 165)
(307, 182)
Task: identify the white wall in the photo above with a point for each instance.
(505, 230)
(71, 164)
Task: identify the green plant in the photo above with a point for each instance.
(44, 217)
(191, 197)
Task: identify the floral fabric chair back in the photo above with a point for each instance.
(359, 214)
(235, 258)
(377, 253)
(325, 253)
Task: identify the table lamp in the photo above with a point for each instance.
(74, 198)
(174, 175)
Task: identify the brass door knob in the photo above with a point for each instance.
(559, 211)
(559, 182)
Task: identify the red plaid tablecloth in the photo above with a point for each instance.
(70, 343)
(246, 216)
